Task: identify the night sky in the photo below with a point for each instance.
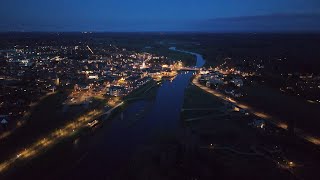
(160, 15)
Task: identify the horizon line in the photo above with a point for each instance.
(168, 31)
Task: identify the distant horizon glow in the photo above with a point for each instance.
(165, 15)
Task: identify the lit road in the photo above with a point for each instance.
(53, 138)
(298, 132)
(110, 110)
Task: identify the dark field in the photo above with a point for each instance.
(45, 117)
(285, 108)
(225, 128)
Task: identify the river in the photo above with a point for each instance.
(200, 61)
(103, 154)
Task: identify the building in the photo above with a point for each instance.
(116, 91)
(4, 121)
(258, 123)
(237, 82)
(93, 77)
(214, 82)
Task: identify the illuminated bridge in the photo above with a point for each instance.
(189, 69)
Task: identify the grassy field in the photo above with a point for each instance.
(284, 107)
(143, 92)
(223, 127)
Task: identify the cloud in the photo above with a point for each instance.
(264, 23)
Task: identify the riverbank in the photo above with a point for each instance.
(182, 151)
(221, 126)
(146, 92)
(115, 142)
(50, 142)
(224, 126)
(266, 117)
(143, 92)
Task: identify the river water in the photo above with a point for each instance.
(200, 61)
(103, 154)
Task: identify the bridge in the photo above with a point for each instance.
(189, 69)
(108, 113)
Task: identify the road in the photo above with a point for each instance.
(112, 109)
(215, 147)
(53, 138)
(310, 138)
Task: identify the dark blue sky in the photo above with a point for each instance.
(159, 15)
